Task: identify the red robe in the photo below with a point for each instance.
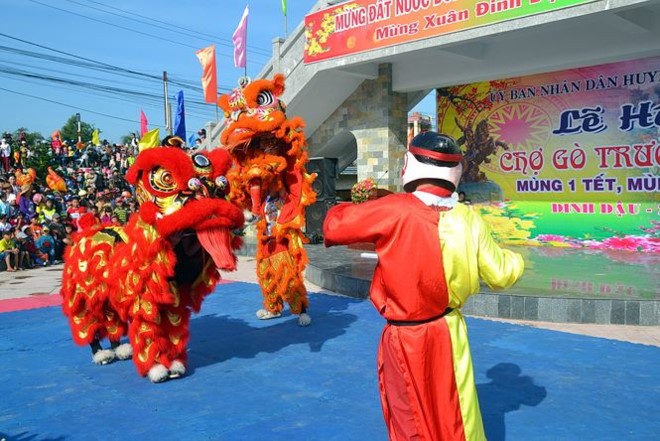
(428, 260)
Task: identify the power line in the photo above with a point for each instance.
(110, 90)
(72, 107)
(169, 26)
(117, 26)
(155, 102)
(124, 28)
(95, 64)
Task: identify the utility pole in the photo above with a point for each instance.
(168, 114)
(79, 127)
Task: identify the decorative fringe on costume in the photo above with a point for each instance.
(269, 153)
(120, 280)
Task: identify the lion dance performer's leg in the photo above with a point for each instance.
(280, 265)
(85, 294)
(159, 341)
(160, 316)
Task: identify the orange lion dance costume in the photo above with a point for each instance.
(269, 179)
(145, 278)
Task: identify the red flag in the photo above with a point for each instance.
(206, 57)
(240, 41)
(143, 123)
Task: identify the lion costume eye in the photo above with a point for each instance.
(201, 161)
(265, 98)
(162, 179)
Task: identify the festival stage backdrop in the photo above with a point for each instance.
(569, 158)
(363, 25)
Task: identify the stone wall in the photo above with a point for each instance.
(377, 117)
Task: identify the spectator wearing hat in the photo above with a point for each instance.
(46, 244)
(25, 203)
(47, 211)
(9, 249)
(39, 203)
(13, 206)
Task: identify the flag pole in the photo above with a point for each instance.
(286, 25)
(245, 67)
(168, 123)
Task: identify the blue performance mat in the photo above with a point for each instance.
(273, 380)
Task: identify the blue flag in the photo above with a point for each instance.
(192, 139)
(180, 120)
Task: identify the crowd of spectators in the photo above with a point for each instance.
(36, 222)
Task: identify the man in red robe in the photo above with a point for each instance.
(432, 252)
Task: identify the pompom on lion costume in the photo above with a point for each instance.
(145, 279)
(270, 180)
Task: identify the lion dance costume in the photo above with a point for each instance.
(145, 278)
(269, 179)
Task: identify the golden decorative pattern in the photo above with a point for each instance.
(144, 354)
(175, 319)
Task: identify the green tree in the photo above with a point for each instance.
(40, 159)
(31, 138)
(39, 149)
(69, 131)
(126, 139)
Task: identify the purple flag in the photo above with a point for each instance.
(240, 41)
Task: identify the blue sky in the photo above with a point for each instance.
(46, 38)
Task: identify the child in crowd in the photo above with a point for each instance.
(35, 256)
(36, 228)
(106, 215)
(75, 210)
(4, 223)
(46, 244)
(121, 211)
(68, 233)
(9, 249)
(23, 254)
(47, 211)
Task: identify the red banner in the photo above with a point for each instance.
(362, 25)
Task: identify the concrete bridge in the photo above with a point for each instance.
(356, 106)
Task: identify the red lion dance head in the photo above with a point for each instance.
(146, 277)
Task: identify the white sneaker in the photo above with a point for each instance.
(264, 314)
